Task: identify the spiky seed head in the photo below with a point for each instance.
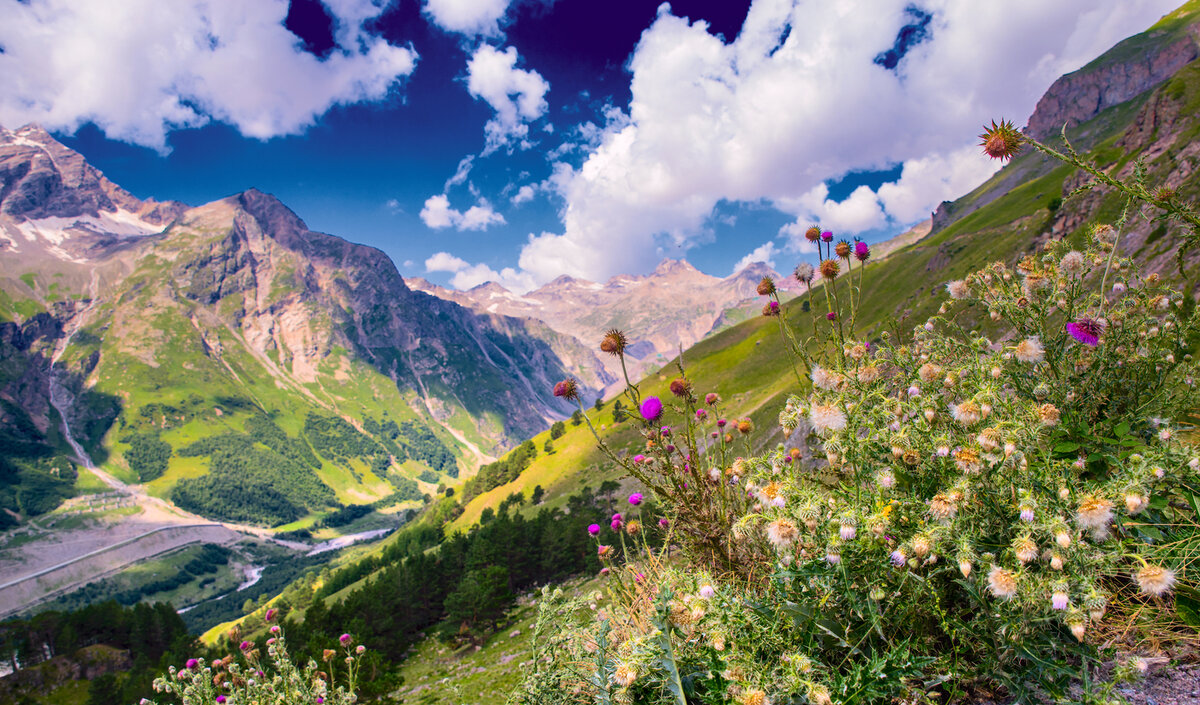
(1001, 141)
(766, 287)
(614, 342)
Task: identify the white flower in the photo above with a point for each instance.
(1002, 583)
(1094, 513)
(958, 289)
(781, 533)
(824, 379)
(1030, 350)
(707, 591)
(1073, 262)
(966, 413)
(827, 417)
(1155, 580)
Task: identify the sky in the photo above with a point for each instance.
(519, 140)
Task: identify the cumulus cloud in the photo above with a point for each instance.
(470, 17)
(140, 68)
(764, 253)
(467, 275)
(517, 95)
(797, 100)
(438, 214)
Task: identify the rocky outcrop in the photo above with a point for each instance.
(1127, 70)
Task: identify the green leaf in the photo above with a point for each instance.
(1122, 429)
(1066, 447)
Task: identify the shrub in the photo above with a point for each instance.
(950, 511)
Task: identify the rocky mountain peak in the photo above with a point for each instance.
(670, 266)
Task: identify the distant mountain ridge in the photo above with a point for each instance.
(674, 305)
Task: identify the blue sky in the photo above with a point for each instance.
(516, 141)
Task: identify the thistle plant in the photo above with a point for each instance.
(955, 508)
(249, 679)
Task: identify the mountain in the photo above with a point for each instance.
(674, 305)
(182, 340)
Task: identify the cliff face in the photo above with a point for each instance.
(1129, 69)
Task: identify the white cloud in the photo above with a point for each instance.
(437, 214)
(445, 262)
(926, 182)
(797, 100)
(796, 242)
(461, 172)
(763, 253)
(517, 95)
(470, 17)
(140, 68)
(467, 275)
(524, 194)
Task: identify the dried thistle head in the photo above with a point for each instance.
(614, 342)
(1001, 141)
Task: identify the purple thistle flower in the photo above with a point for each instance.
(862, 251)
(1086, 331)
(652, 408)
(664, 523)
(192, 664)
(616, 517)
(615, 525)
(345, 639)
(831, 316)
(594, 529)
(898, 558)
(721, 423)
(827, 236)
(270, 614)
(666, 431)
(639, 459)
(246, 646)
(701, 413)
(220, 698)
(635, 498)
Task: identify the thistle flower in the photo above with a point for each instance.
(868, 374)
(567, 389)
(604, 551)
(964, 567)
(829, 268)
(812, 234)
(847, 531)
(1049, 415)
(1002, 583)
(898, 558)
(1073, 262)
(1001, 141)
(958, 289)
(1059, 598)
(1078, 628)
(842, 249)
(966, 413)
(593, 529)
(966, 460)
(771, 308)
(635, 498)
(825, 379)
(803, 272)
(827, 236)
(614, 342)
(766, 287)
(862, 251)
(754, 697)
(1030, 350)
(827, 417)
(624, 675)
(941, 507)
(782, 533)
(1155, 580)
(1086, 331)
(831, 316)
(711, 398)
(652, 408)
(885, 479)
(707, 591)
(929, 373)
(1025, 549)
(1094, 513)
(681, 386)
(1135, 503)
(745, 426)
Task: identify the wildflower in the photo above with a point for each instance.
(652, 408)
(827, 236)
(345, 639)
(624, 675)
(766, 287)
(771, 308)
(921, 545)
(1155, 580)
(989, 439)
(745, 426)
(966, 413)
(1025, 549)
(754, 697)
(831, 316)
(827, 417)
(898, 558)
(594, 529)
(1135, 503)
(1118, 288)
(567, 389)
(967, 460)
(1056, 561)
(964, 567)
(681, 386)
(1049, 415)
(781, 533)
(1073, 262)
(929, 373)
(886, 479)
(941, 507)
(604, 551)
(829, 268)
(1002, 583)
(868, 374)
(327, 654)
(842, 249)
(1030, 350)
(1164, 435)
(1086, 331)
(1059, 599)
(862, 251)
(360, 649)
(614, 342)
(192, 664)
(812, 234)
(246, 646)
(824, 379)
(664, 522)
(1094, 513)
(958, 289)
(221, 699)
(711, 398)
(1001, 141)
(803, 272)
(615, 525)
(1078, 628)
(707, 591)
(701, 414)
(633, 527)
(635, 498)
(639, 459)
(1062, 538)
(847, 531)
